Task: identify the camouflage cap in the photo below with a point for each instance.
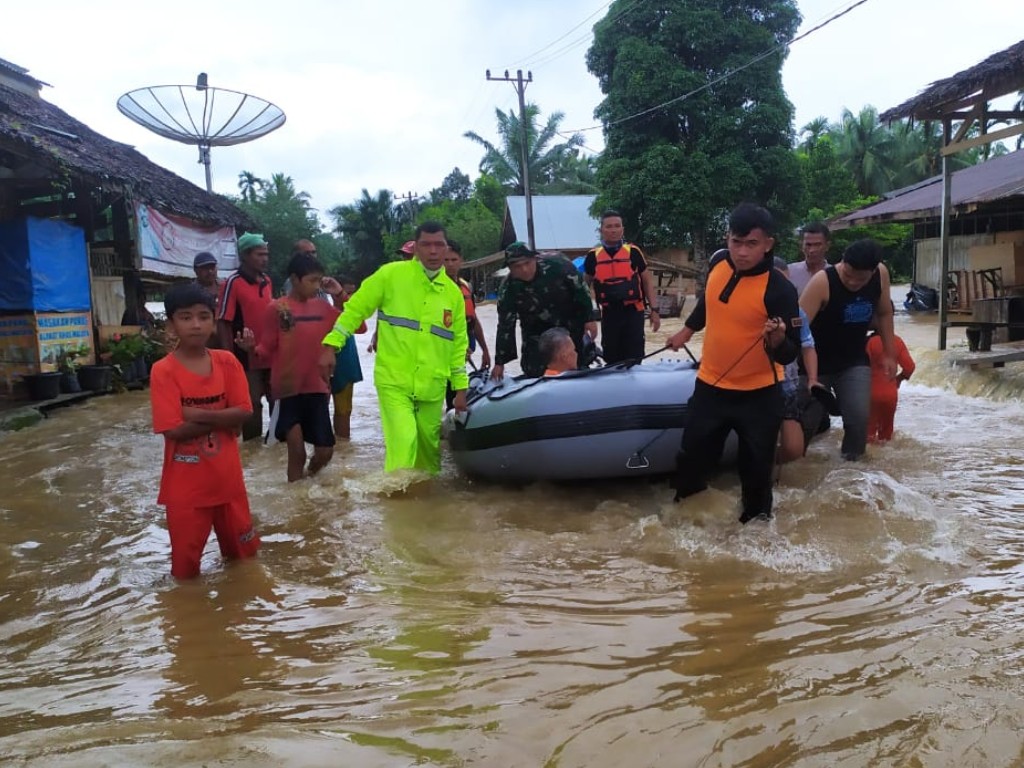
(517, 251)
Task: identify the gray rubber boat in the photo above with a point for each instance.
(604, 423)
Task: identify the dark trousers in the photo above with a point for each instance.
(712, 413)
(622, 334)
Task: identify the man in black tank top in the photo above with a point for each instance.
(842, 302)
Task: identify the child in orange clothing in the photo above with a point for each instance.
(885, 391)
(200, 399)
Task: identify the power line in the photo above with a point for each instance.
(726, 75)
(583, 38)
(560, 39)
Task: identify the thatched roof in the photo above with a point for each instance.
(43, 134)
(999, 74)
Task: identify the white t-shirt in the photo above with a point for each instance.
(800, 276)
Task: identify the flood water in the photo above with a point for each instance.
(877, 621)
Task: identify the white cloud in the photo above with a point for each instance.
(379, 94)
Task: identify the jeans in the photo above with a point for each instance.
(853, 390)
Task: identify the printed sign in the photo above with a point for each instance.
(169, 244)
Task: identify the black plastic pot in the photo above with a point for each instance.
(96, 378)
(43, 386)
(69, 382)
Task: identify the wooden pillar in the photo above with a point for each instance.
(947, 204)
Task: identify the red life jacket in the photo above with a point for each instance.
(615, 280)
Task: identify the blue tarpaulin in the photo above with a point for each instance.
(44, 266)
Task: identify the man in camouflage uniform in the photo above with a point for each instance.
(542, 294)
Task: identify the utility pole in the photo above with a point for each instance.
(409, 198)
(520, 83)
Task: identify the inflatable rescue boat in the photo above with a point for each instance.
(611, 422)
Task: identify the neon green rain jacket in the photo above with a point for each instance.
(421, 329)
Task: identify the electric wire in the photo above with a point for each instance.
(724, 76)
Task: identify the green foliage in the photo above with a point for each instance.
(365, 225)
(897, 240)
(471, 224)
(68, 358)
(456, 187)
(676, 171)
(124, 348)
(554, 168)
(282, 214)
(488, 190)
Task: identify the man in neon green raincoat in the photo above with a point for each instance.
(421, 346)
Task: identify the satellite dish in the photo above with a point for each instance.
(202, 115)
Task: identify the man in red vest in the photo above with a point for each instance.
(617, 272)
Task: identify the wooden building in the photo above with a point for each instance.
(56, 172)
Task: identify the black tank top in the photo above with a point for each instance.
(840, 328)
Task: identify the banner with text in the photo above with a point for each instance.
(169, 244)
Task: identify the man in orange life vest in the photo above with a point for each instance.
(751, 322)
(617, 272)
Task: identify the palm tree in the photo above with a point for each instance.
(364, 224)
(282, 189)
(866, 148)
(813, 131)
(248, 184)
(546, 161)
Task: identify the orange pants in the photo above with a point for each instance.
(190, 527)
(881, 415)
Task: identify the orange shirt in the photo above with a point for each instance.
(734, 356)
(206, 470)
(241, 302)
(882, 387)
(291, 340)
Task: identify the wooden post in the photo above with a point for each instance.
(947, 204)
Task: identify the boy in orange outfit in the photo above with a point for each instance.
(200, 399)
(885, 391)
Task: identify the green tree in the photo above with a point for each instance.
(869, 150)
(488, 190)
(456, 187)
(546, 160)
(250, 186)
(283, 215)
(364, 225)
(470, 223)
(827, 181)
(675, 166)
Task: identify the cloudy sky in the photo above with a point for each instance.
(378, 94)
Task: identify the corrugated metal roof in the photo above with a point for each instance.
(996, 179)
(560, 222)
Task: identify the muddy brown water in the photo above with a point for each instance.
(876, 622)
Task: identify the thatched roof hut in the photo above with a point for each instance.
(40, 141)
(1000, 73)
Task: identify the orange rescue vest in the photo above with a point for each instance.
(615, 280)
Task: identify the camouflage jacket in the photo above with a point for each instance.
(556, 297)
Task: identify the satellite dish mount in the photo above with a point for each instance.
(201, 115)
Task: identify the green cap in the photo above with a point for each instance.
(518, 250)
(250, 240)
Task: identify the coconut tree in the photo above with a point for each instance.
(364, 224)
(813, 131)
(867, 149)
(547, 161)
(249, 184)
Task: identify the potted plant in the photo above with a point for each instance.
(125, 351)
(67, 365)
(42, 386)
